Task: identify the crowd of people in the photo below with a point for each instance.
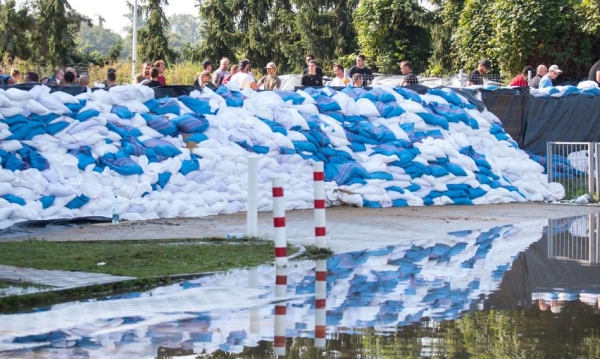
(359, 75)
(544, 76)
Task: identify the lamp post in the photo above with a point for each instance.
(134, 43)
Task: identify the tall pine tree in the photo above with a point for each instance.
(152, 37)
(57, 25)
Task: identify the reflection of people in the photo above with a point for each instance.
(543, 305)
(556, 306)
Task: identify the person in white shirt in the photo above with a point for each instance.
(244, 77)
(340, 78)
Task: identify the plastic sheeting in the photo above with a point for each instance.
(533, 121)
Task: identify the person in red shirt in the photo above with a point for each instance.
(160, 65)
(522, 78)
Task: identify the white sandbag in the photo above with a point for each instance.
(36, 108)
(135, 106)
(15, 94)
(11, 145)
(7, 112)
(367, 108)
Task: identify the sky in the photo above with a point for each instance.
(112, 10)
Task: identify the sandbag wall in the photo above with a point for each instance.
(66, 156)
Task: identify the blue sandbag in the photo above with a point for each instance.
(11, 198)
(190, 165)
(160, 124)
(399, 203)
(26, 131)
(167, 105)
(121, 163)
(33, 158)
(86, 115)
(161, 147)
(122, 111)
(163, 178)
(199, 106)
(409, 94)
(196, 137)
(47, 201)
(296, 98)
(327, 104)
(382, 95)
(75, 107)
(134, 147)
(191, 123)
(84, 157)
(434, 120)
(77, 202)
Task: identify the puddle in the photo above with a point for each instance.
(528, 290)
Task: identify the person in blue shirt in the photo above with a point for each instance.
(553, 72)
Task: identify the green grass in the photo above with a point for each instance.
(142, 258)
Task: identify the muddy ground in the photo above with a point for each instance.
(348, 228)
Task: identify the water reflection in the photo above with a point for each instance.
(469, 293)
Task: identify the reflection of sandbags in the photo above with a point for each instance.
(579, 160)
(580, 227)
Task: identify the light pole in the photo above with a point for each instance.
(134, 43)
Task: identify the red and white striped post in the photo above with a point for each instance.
(320, 302)
(319, 194)
(280, 311)
(279, 223)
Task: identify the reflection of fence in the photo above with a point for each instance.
(574, 165)
(578, 242)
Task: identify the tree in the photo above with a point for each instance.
(57, 27)
(96, 38)
(152, 37)
(184, 29)
(115, 52)
(390, 31)
(518, 33)
(16, 28)
(445, 21)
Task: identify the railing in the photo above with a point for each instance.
(574, 165)
(577, 241)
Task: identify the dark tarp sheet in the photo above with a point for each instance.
(534, 121)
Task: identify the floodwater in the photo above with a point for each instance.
(525, 291)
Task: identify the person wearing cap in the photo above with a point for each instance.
(553, 72)
(409, 77)
(595, 73)
(540, 72)
(340, 78)
(207, 65)
(221, 73)
(476, 77)
(244, 77)
(270, 81)
(312, 78)
(522, 78)
(160, 65)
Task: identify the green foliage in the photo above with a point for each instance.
(57, 25)
(184, 33)
(516, 33)
(96, 38)
(152, 37)
(281, 31)
(390, 31)
(16, 30)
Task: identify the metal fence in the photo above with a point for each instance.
(575, 239)
(575, 166)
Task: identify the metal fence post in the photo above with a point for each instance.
(549, 160)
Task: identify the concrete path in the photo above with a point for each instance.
(51, 280)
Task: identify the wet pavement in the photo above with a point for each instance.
(528, 290)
